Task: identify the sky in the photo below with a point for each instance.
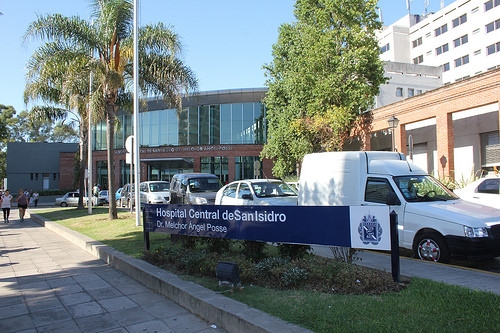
(225, 42)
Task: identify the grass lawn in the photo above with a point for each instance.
(424, 306)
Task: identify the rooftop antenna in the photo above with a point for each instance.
(408, 6)
(442, 4)
(426, 4)
(380, 18)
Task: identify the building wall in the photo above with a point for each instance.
(407, 77)
(458, 114)
(31, 164)
(423, 29)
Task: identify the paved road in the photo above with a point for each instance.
(48, 284)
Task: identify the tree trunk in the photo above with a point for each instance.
(110, 135)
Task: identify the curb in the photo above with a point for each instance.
(231, 315)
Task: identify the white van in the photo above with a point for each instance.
(432, 221)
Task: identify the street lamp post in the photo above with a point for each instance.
(393, 123)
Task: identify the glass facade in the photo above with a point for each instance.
(203, 136)
(238, 123)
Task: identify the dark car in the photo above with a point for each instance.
(194, 188)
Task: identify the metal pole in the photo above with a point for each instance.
(147, 242)
(136, 157)
(89, 152)
(393, 218)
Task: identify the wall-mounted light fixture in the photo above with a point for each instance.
(393, 123)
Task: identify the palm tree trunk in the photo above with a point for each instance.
(110, 135)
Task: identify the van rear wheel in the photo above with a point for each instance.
(431, 246)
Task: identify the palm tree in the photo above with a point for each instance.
(60, 78)
(109, 41)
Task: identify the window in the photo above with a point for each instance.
(244, 190)
(489, 186)
(411, 92)
(460, 41)
(446, 67)
(477, 52)
(493, 48)
(377, 190)
(419, 91)
(459, 20)
(462, 61)
(441, 30)
(399, 92)
(417, 42)
(418, 60)
(492, 26)
(384, 48)
(490, 4)
(230, 191)
(442, 49)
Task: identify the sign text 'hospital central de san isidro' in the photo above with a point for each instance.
(356, 227)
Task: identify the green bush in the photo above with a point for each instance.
(254, 250)
(293, 251)
(309, 272)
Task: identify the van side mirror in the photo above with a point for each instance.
(392, 199)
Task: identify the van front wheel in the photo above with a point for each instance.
(431, 246)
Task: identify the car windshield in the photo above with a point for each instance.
(159, 187)
(272, 189)
(204, 185)
(423, 188)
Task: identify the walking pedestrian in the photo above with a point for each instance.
(22, 204)
(35, 198)
(6, 198)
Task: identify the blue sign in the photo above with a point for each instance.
(358, 227)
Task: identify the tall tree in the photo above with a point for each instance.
(324, 76)
(108, 39)
(8, 124)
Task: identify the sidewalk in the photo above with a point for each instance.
(53, 279)
(48, 284)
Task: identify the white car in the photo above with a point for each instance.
(257, 192)
(155, 192)
(484, 191)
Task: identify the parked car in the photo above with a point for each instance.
(118, 194)
(155, 192)
(125, 195)
(70, 199)
(484, 191)
(257, 192)
(103, 199)
(194, 188)
(294, 185)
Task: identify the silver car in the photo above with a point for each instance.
(70, 199)
(155, 192)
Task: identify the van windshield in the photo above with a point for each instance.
(423, 188)
(204, 185)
